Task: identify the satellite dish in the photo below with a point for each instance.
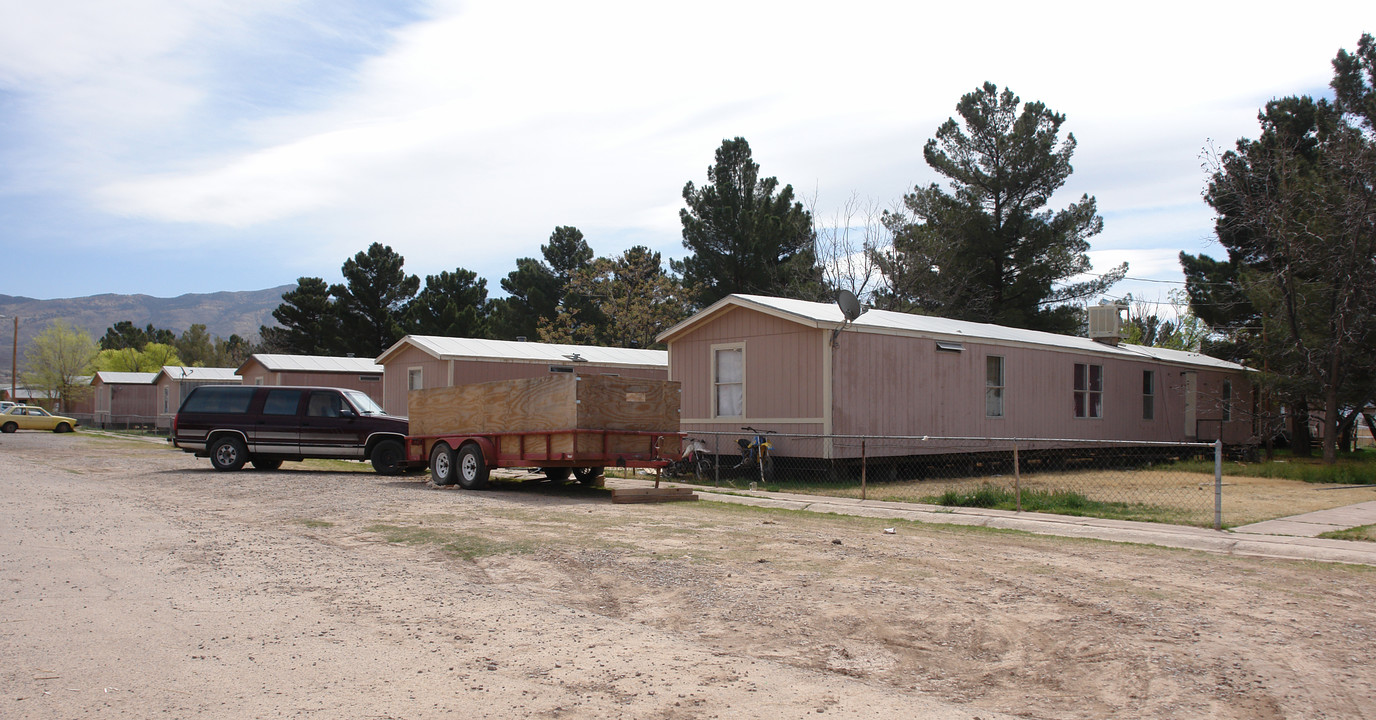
(850, 305)
(850, 308)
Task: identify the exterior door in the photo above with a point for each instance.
(275, 430)
(331, 426)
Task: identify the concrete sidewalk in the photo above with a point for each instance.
(1313, 524)
(1225, 542)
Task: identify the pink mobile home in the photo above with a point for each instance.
(174, 382)
(340, 372)
(791, 366)
(417, 362)
(124, 398)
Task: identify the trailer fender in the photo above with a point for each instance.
(485, 444)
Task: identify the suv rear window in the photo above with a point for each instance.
(211, 399)
(281, 402)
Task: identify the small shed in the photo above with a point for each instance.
(350, 373)
(798, 367)
(173, 383)
(419, 362)
(125, 399)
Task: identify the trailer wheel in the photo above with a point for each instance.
(442, 464)
(557, 474)
(472, 469)
(588, 475)
(228, 453)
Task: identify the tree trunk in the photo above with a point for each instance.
(1301, 443)
(1330, 425)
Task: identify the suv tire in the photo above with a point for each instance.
(228, 453)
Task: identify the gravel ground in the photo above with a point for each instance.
(137, 582)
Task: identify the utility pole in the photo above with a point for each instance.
(14, 360)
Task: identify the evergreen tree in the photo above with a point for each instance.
(536, 289)
(1297, 213)
(743, 237)
(371, 302)
(634, 300)
(308, 323)
(452, 304)
(986, 250)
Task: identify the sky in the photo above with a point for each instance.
(165, 147)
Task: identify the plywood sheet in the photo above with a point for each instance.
(558, 402)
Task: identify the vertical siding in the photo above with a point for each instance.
(891, 385)
(783, 367)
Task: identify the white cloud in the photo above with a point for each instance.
(465, 134)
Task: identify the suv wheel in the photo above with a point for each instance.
(388, 458)
(228, 453)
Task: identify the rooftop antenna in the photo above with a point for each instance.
(850, 308)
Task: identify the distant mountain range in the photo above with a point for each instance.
(222, 313)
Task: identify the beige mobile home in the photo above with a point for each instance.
(420, 362)
(797, 367)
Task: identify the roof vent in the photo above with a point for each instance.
(1108, 323)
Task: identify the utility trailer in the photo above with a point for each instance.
(562, 424)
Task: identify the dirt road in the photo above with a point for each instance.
(136, 582)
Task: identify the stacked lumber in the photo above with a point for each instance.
(651, 495)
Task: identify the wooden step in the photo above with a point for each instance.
(651, 495)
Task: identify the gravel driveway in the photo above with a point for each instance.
(137, 582)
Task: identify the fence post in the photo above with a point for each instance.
(1218, 484)
(1017, 478)
(862, 469)
(716, 461)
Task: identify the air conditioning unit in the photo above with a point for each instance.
(1108, 323)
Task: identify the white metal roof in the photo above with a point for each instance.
(126, 378)
(828, 315)
(182, 372)
(447, 348)
(316, 363)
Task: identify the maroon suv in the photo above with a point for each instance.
(268, 424)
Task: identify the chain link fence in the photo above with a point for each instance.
(1158, 482)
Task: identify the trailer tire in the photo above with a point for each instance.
(442, 464)
(557, 474)
(587, 475)
(471, 468)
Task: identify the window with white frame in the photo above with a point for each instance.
(1089, 390)
(728, 381)
(993, 386)
(1148, 394)
(415, 379)
(1227, 400)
